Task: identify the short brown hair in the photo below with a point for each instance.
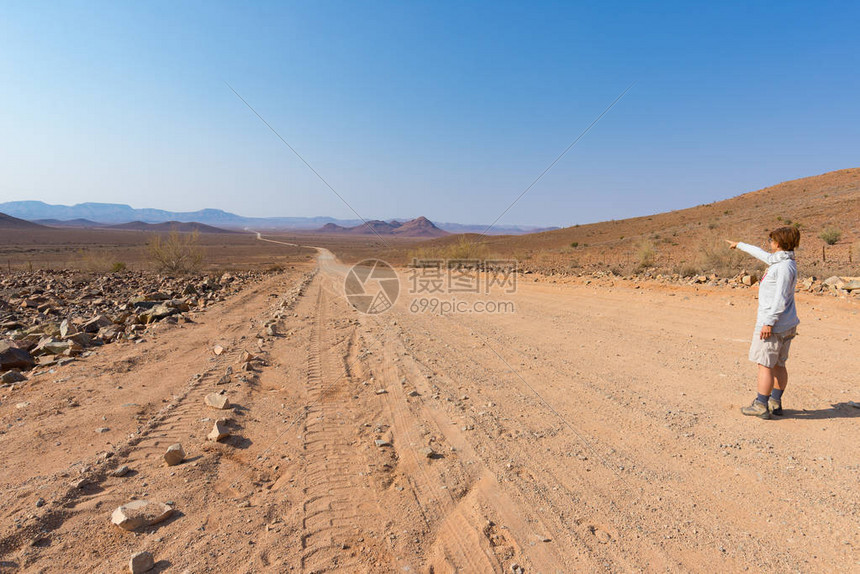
(788, 238)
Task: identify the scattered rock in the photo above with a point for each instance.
(11, 357)
(141, 562)
(120, 471)
(381, 442)
(13, 376)
(102, 429)
(96, 323)
(381, 391)
(140, 514)
(174, 455)
(217, 401)
(40, 503)
(428, 452)
(218, 349)
(219, 431)
(66, 329)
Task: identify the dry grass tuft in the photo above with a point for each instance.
(176, 253)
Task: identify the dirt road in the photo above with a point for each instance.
(594, 429)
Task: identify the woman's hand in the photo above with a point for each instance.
(732, 244)
(766, 331)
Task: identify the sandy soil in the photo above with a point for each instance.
(596, 429)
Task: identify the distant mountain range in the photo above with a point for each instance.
(418, 227)
(106, 214)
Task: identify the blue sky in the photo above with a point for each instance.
(443, 109)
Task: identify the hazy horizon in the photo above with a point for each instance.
(441, 110)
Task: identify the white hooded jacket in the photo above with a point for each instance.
(776, 289)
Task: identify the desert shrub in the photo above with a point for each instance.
(716, 257)
(118, 267)
(176, 252)
(686, 269)
(830, 235)
(95, 261)
(463, 249)
(575, 244)
(646, 253)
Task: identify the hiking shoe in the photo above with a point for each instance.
(775, 407)
(756, 409)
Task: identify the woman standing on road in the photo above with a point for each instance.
(776, 322)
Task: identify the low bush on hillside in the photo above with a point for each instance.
(716, 257)
(830, 235)
(646, 253)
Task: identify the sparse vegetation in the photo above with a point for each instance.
(646, 253)
(575, 244)
(97, 261)
(830, 235)
(464, 248)
(716, 257)
(177, 252)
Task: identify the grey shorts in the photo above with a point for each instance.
(773, 351)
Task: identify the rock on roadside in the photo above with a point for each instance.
(217, 401)
(141, 562)
(219, 431)
(11, 357)
(174, 455)
(140, 514)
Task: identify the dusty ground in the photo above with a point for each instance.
(596, 429)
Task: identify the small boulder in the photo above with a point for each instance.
(141, 562)
(174, 454)
(51, 347)
(217, 401)
(66, 329)
(157, 313)
(140, 514)
(96, 323)
(13, 376)
(218, 349)
(120, 471)
(11, 357)
(219, 431)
